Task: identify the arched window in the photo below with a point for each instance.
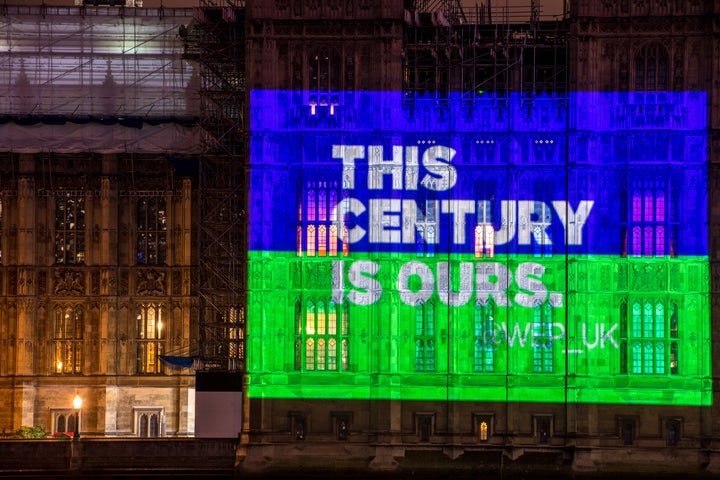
(484, 352)
(68, 339)
(151, 242)
(648, 225)
(324, 73)
(318, 221)
(150, 335)
(542, 339)
(425, 338)
(70, 228)
(650, 349)
(232, 319)
(317, 331)
(148, 421)
(651, 68)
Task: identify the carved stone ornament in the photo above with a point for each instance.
(68, 283)
(150, 282)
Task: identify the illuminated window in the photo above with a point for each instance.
(311, 240)
(483, 431)
(651, 68)
(425, 338)
(311, 205)
(333, 251)
(151, 231)
(232, 321)
(322, 241)
(484, 338)
(150, 337)
(68, 339)
(320, 224)
(322, 330)
(483, 426)
(426, 225)
(70, 228)
(651, 345)
(542, 339)
(649, 225)
(484, 231)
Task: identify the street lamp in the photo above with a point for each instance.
(77, 405)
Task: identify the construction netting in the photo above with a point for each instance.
(85, 79)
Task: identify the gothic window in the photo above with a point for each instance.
(650, 230)
(70, 228)
(324, 80)
(425, 338)
(542, 338)
(651, 68)
(626, 427)
(324, 69)
(623, 337)
(298, 425)
(484, 351)
(232, 321)
(653, 347)
(341, 422)
(483, 426)
(483, 431)
(672, 432)
(320, 226)
(151, 231)
(149, 421)
(321, 336)
(424, 426)
(149, 425)
(426, 225)
(64, 420)
(540, 218)
(68, 339)
(484, 231)
(150, 337)
(543, 427)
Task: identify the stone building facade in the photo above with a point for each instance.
(629, 59)
(98, 228)
(84, 303)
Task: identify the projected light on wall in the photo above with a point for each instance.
(512, 249)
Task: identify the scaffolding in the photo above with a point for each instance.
(489, 52)
(486, 53)
(218, 38)
(94, 71)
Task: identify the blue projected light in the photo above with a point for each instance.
(515, 249)
(516, 164)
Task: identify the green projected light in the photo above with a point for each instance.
(496, 256)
